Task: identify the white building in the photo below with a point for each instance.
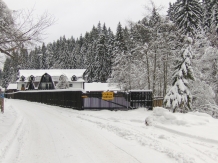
(49, 79)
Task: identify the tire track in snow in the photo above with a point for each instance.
(187, 135)
(64, 119)
(154, 144)
(144, 141)
(52, 140)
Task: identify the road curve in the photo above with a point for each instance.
(42, 133)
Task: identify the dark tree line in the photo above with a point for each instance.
(94, 51)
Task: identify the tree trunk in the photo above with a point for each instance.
(165, 76)
(154, 73)
(148, 70)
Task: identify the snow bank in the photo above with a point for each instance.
(191, 124)
(163, 116)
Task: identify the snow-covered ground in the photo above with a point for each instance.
(37, 133)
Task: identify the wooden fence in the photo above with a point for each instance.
(70, 99)
(157, 101)
(89, 100)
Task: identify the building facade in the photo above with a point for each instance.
(51, 79)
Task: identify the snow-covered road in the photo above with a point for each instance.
(36, 133)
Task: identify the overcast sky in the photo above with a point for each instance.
(75, 17)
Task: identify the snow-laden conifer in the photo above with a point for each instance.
(179, 95)
(187, 14)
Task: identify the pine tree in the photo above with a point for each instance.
(99, 28)
(179, 95)
(65, 58)
(105, 32)
(74, 58)
(44, 57)
(187, 14)
(91, 53)
(6, 78)
(119, 39)
(50, 55)
(83, 52)
(119, 51)
(170, 12)
(101, 60)
(210, 19)
(23, 58)
(110, 48)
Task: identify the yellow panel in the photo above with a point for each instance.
(107, 95)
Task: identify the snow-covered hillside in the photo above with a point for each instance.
(36, 133)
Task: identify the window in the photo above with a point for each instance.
(22, 78)
(45, 78)
(31, 78)
(74, 78)
(70, 85)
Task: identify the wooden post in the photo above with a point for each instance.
(2, 101)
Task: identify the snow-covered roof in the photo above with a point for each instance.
(53, 72)
(12, 86)
(101, 87)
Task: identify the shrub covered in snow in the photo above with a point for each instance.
(63, 82)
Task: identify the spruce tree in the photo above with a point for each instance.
(6, 78)
(119, 39)
(187, 14)
(91, 53)
(23, 58)
(179, 95)
(99, 28)
(105, 32)
(44, 56)
(210, 19)
(101, 60)
(110, 47)
(65, 58)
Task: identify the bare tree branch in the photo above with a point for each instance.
(20, 29)
(5, 52)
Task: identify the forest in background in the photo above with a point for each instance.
(174, 55)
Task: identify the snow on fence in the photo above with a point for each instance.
(88, 100)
